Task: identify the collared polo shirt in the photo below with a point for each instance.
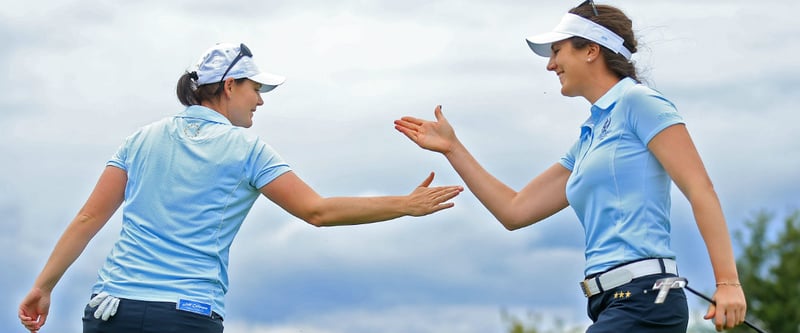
(192, 179)
(617, 187)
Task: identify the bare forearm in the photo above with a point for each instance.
(712, 226)
(297, 198)
(106, 197)
(358, 210)
(491, 192)
(69, 247)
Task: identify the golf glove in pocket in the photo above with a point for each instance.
(106, 305)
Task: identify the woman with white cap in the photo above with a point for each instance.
(616, 177)
(186, 183)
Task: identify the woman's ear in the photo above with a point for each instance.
(228, 86)
(592, 52)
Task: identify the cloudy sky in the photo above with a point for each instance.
(79, 76)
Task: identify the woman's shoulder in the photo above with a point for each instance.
(642, 95)
(245, 136)
(641, 90)
(148, 129)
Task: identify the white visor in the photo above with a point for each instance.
(572, 25)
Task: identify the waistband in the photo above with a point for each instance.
(214, 315)
(626, 273)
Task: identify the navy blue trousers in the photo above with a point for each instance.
(144, 317)
(631, 308)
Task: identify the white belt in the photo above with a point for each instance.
(624, 274)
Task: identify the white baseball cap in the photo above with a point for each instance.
(572, 25)
(225, 60)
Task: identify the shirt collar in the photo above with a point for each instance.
(204, 113)
(612, 95)
(606, 102)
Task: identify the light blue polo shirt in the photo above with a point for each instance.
(617, 187)
(192, 179)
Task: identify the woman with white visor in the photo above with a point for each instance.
(616, 176)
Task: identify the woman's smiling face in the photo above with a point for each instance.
(570, 65)
(245, 98)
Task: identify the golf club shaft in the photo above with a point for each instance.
(715, 303)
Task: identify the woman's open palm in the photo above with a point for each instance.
(436, 136)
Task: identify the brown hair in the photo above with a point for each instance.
(615, 20)
(190, 94)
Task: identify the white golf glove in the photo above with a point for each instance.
(106, 305)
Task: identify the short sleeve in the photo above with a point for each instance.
(649, 113)
(120, 157)
(568, 160)
(265, 164)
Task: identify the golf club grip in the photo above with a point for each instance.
(715, 303)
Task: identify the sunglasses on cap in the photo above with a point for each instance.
(244, 51)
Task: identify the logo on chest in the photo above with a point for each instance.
(604, 129)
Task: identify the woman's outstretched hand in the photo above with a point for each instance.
(426, 200)
(436, 136)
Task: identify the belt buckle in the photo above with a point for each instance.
(585, 287)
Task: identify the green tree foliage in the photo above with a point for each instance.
(536, 323)
(769, 269)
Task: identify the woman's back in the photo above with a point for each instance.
(192, 179)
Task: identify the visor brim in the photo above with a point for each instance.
(541, 44)
(268, 81)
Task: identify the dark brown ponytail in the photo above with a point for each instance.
(186, 88)
(189, 93)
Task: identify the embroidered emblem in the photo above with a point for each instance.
(192, 130)
(604, 130)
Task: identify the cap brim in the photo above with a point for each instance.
(268, 81)
(540, 44)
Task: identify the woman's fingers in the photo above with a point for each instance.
(427, 180)
(437, 112)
